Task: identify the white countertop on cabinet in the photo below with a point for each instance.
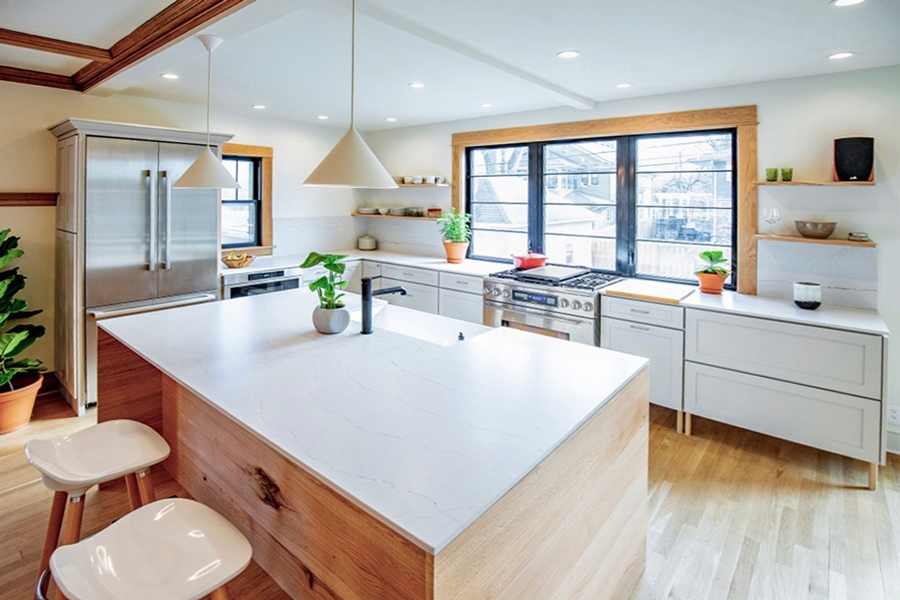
(425, 437)
(778, 309)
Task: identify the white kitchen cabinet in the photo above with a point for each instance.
(471, 284)
(649, 313)
(418, 296)
(839, 423)
(841, 361)
(370, 268)
(664, 348)
(461, 305)
(413, 274)
(68, 180)
(68, 320)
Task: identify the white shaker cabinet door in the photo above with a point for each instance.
(664, 348)
(418, 296)
(462, 306)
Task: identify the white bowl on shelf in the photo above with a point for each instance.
(384, 211)
(364, 210)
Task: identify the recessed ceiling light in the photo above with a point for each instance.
(169, 76)
(846, 2)
(391, 119)
(840, 55)
(259, 106)
(418, 85)
(625, 86)
(487, 105)
(323, 117)
(568, 54)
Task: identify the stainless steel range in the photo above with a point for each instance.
(555, 301)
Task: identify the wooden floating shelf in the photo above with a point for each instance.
(422, 184)
(28, 198)
(818, 183)
(803, 240)
(378, 216)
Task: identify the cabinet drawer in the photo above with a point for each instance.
(371, 269)
(664, 348)
(462, 283)
(652, 313)
(842, 424)
(418, 297)
(462, 306)
(413, 274)
(840, 361)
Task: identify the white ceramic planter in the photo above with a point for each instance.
(331, 320)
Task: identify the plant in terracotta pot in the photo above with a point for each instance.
(330, 316)
(456, 233)
(20, 378)
(712, 272)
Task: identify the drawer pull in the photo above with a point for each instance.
(639, 328)
(407, 274)
(462, 282)
(640, 312)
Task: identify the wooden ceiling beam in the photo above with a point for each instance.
(17, 75)
(179, 19)
(54, 46)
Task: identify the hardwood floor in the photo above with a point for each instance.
(734, 515)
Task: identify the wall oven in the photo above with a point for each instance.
(238, 285)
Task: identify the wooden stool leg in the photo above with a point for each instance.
(679, 421)
(873, 475)
(72, 533)
(145, 485)
(54, 526)
(220, 594)
(687, 423)
(134, 493)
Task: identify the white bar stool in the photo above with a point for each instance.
(172, 549)
(73, 464)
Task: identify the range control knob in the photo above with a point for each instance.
(576, 304)
(495, 292)
(563, 303)
(588, 307)
(487, 291)
(506, 293)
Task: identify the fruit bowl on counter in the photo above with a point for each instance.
(238, 261)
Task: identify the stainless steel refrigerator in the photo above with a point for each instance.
(145, 241)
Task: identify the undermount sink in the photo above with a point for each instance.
(426, 327)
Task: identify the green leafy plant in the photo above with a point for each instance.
(713, 261)
(455, 226)
(328, 286)
(15, 339)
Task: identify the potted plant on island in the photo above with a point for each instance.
(330, 316)
(456, 234)
(20, 378)
(712, 271)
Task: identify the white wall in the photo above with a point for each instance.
(28, 155)
(799, 118)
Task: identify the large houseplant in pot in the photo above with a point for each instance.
(20, 378)
(456, 233)
(330, 316)
(712, 271)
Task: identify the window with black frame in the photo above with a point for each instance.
(641, 206)
(242, 207)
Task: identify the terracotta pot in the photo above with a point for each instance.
(710, 283)
(16, 406)
(456, 251)
(330, 320)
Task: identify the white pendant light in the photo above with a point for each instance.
(207, 171)
(351, 163)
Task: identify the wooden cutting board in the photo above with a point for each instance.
(654, 291)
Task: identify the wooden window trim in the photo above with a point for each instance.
(742, 118)
(265, 153)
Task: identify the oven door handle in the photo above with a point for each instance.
(536, 313)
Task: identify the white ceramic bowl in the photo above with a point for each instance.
(384, 211)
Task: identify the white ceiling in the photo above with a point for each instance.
(293, 55)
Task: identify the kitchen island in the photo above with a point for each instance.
(407, 464)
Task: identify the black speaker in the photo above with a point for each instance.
(854, 159)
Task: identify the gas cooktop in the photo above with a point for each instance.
(564, 277)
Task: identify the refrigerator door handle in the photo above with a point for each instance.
(167, 203)
(151, 197)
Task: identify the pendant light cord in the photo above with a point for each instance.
(352, 61)
(208, 87)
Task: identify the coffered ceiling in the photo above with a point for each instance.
(293, 55)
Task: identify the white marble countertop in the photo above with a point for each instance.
(424, 437)
(778, 309)
(479, 268)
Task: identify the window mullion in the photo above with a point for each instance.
(536, 197)
(626, 212)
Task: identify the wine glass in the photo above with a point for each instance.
(772, 216)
